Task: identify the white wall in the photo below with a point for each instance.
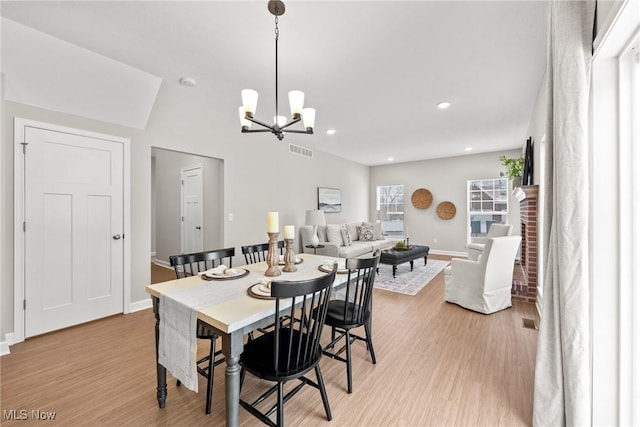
(447, 180)
(259, 176)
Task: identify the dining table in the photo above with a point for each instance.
(232, 310)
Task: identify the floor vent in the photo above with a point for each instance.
(301, 151)
(529, 324)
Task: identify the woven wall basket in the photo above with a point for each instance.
(446, 210)
(421, 198)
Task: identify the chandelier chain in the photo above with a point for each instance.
(277, 32)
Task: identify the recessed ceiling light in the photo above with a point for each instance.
(330, 131)
(468, 148)
(187, 81)
(390, 159)
(444, 105)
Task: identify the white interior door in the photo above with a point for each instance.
(192, 221)
(73, 229)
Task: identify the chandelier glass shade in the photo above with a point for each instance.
(280, 125)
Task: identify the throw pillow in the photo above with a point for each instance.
(333, 234)
(366, 232)
(377, 230)
(346, 237)
(352, 227)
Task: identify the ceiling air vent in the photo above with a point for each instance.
(300, 151)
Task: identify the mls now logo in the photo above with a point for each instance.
(23, 414)
(14, 414)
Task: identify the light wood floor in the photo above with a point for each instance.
(438, 364)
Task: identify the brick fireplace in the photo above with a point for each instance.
(524, 286)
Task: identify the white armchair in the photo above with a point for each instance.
(496, 230)
(483, 285)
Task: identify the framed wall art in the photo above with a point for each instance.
(329, 199)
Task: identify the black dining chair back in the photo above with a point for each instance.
(353, 310)
(186, 265)
(258, 253)
(293, 348)
(192, 264)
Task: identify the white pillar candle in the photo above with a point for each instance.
(273, 222)
(289, 232)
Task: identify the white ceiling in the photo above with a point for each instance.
(374, 70)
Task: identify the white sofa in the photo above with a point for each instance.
(333, 239)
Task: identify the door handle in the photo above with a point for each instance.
(116, 237)
(198, 228)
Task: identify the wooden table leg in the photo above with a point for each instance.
(161, 370)
(232, 346)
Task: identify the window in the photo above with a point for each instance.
(390, 209)
(487, 202)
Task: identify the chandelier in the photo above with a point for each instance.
(296, 99)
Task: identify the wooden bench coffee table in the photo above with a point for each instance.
(395, 257)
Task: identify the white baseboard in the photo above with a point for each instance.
(450, 253)
(140, 305)
(4, 345)
(162, 263)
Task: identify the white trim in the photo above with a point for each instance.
(140, 305)
(153, 254)
(614, 224)
(162, 263)
(5, 345)
(19, 213)
(4, 348)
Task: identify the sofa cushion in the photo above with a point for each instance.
(356, 249)
(353, 230)
(377, 229)
(366, 233)
(333, 234)
(382, 244)
(346, 236)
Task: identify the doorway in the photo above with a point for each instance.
(167, 211)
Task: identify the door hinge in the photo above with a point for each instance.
(182, 181)
(182, 218)
(24, 304)
(24, 147)
(24, 226)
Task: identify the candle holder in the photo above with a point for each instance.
(272, 256)
(289, 257)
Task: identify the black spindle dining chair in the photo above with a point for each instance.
(258, 253)
(188, 265)
(353, 311)
(293, 348)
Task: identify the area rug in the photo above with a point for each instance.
(406, 281)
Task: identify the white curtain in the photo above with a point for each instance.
(562, 377)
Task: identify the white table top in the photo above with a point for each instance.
(238, 309)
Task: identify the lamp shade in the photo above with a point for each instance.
(243, 122)
(315, 217)
(296, 101)
(250, 100)
(279, 120)
(309, 117)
